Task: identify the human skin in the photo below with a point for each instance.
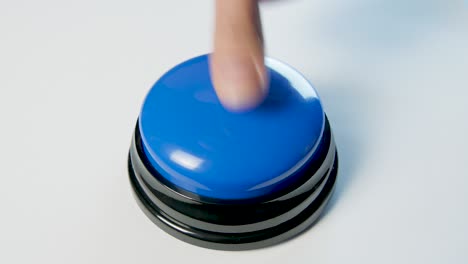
(237, 63)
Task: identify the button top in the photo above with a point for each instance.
(197, 145)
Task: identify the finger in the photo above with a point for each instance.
(237, 63)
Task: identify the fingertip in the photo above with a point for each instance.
(240, 83)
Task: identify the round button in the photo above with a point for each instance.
(200, 147)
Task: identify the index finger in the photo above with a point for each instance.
(237, 63)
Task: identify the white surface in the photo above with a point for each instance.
(393, 76)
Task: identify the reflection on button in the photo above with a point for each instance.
(185, 159)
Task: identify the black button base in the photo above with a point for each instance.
(228, 226)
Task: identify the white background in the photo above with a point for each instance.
(393, 77)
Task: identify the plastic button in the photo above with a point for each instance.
(232, 181)
(200, 147)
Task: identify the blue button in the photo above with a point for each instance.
(199, 146)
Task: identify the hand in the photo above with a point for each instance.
(237, 63)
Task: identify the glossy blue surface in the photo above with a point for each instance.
(199, 146)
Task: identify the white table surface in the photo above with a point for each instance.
(393, 76)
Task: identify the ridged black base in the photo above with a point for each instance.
(240, 224)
